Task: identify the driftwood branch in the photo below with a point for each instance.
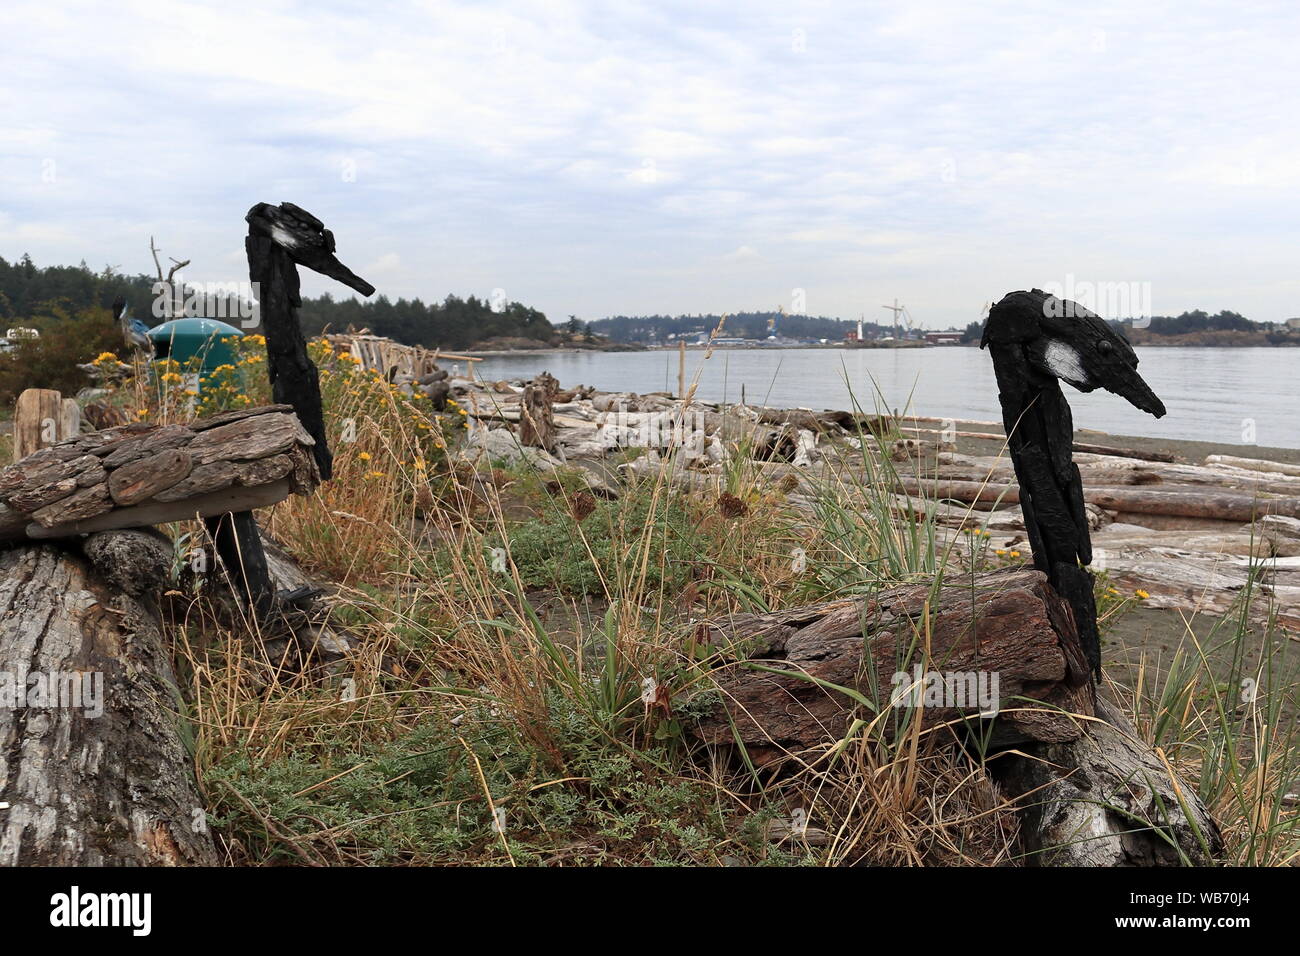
(537, 420)
(175, 300)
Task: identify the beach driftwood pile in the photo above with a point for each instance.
(796, 682)
(1192, 535)
(583, 424)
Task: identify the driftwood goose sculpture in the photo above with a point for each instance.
(281, 238)
(1036, 341)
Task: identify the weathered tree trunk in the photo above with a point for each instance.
(41, 418)
(1107, 799)
(96, 774)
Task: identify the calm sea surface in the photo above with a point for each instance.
(1213, 394)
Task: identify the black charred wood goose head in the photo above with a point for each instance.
(1063, 340)
(305, 239)
(1036, 341)
(281, 238)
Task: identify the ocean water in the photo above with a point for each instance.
(1233, 395)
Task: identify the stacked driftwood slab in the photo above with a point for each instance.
(1022, 631)
(140, 475)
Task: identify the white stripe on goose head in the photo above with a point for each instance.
(1063, 361)
(283, 237)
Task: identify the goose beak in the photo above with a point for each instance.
(1130, 385)
(306, 240)
(327, 264)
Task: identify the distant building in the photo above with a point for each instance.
(943, 338)
(15, 335)
(1293, 323)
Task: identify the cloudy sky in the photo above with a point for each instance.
(607, 158)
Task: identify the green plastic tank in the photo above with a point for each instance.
(195, 343)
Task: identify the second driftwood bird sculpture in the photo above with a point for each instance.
(1036, 341)
(281, 238)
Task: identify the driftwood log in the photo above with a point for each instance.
(141, 475)
(93, 766)
(1088, 791)
(1023, 632)
(537, 420)
(1203, 502)
(42, 417)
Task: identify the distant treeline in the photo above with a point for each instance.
(453, 323)
(1195, 324)
(1199, 321)
(747, 325)
(37, 295)
(29, 292)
